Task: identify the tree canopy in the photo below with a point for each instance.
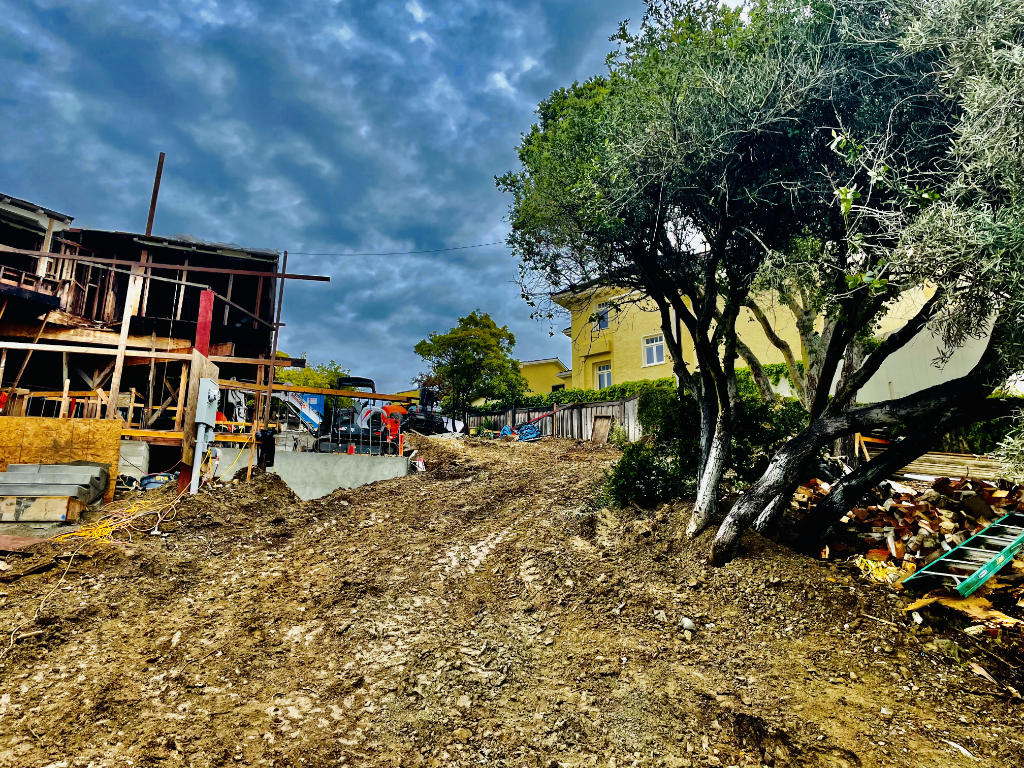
(815, 151)
(472, 360)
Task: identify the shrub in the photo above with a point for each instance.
(761, 429)
(645, 476)
(567, 396)
(666, 467)
(618, 436)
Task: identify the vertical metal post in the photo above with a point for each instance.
(149, 227)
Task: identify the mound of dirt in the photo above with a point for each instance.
(484, 612)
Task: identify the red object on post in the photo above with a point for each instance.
(205, 321)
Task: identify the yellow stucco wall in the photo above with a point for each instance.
(637, 318)
(542, 375)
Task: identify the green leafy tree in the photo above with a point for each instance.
(323, 375)
(849, 146)
(472, 360)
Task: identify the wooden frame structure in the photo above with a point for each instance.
(107, 323)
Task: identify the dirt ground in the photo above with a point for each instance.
(484, 613)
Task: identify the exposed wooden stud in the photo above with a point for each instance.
(284, 362)
(182, 387)
(273, 348)
(131, 299)
(181, 291)
(64, 400)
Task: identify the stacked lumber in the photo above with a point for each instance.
(49, 492)
(910, 528)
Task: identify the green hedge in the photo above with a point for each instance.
(566, 396)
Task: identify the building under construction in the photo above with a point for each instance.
(71, 299)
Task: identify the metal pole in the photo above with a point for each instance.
(149, 228)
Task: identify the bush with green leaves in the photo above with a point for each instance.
(567, 396)
(645, 476)
(671, 426)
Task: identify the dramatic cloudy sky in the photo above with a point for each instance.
(307, 125)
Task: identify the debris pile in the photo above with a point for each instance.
(908, 527)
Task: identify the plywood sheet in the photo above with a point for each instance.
(37, 440)
(39, 509)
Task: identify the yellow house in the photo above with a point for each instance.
(616, 337)
(544, 376)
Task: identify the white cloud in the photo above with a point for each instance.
(498, 81)
(417, 11)
(343, 33)
(420, 36)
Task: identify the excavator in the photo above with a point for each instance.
(363, 427)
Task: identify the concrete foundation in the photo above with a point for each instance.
(312, 475)
(134, 459)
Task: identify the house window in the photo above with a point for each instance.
(557, 387)
(654, 350)
(603, 312)
(604, 375)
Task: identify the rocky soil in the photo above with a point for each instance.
(485, 613)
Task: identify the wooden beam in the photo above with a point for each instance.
(178, 267)
(250, 387)
(179, 413)
(202, 368)
(93, 336)
(131, 304)
(64, 400)
(174, 437)
(282, 362)
(273, 348)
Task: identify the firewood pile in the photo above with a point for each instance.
(907, 527)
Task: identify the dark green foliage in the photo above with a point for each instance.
(980, 437)
(645, 476)
(566, 396)
(761, 429)
(666, 467)
(472, 360)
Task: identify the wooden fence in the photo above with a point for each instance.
(575, 420)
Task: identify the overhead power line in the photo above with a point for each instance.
(397, 253)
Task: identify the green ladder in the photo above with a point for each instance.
(977, 560)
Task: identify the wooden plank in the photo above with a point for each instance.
(131, 304)
(179, 412)
(39, 509)
(94, 336)
(602, 426)
(201, 368)
(34, 439)
(281, 362)
(173, 267)
(250, 387)
(64, 400)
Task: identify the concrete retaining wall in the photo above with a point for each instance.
(312, 475)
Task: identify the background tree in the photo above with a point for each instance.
(472, 360)
(323, 375)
